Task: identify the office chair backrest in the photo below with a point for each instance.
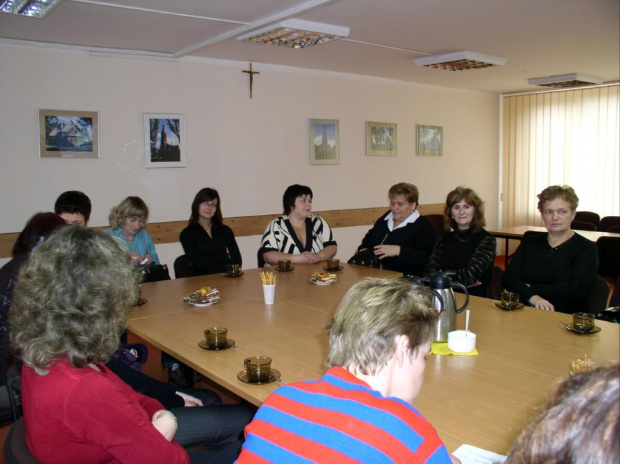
(588, 216)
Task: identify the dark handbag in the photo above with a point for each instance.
(156, 272)
(366, 258)
(133, 355)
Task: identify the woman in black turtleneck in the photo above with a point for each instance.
(469, 250)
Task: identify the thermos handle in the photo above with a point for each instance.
(462, 287)
(439, 298)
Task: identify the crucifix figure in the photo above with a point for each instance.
(251, 73)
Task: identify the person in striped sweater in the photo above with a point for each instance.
(361, 409)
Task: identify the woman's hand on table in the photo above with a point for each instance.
(387, 251)
(166, 423)
(541, 303)
(308, 257)
(190, 401)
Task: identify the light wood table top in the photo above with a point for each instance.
(481, 400)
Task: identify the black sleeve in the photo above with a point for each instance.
(148, 386)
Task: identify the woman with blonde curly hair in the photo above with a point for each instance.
(68, 312)
(127, 223)
(469, 250)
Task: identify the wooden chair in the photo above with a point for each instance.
(609, 221)
(599, 295)
(608, 256)
(183, 267)
(495, 289)
(437, 221)
(16, 450)
(259, 258)
(582, 225)
(588, 216)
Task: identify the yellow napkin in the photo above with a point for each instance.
(441, 348)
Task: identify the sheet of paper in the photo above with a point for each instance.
(472, 455)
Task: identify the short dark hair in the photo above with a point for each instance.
(71, 299)
(472, 199)
(291, 194)
(207, 194)
(41, 225)
(73, 202)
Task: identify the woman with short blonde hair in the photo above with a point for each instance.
(127, 222)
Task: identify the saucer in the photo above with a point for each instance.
(275, 375)
(595, 329)
(321, 283)
(339, 268)
(284, 270)
(229, 344)
(519, 306)
(201, 304)
(236, 275)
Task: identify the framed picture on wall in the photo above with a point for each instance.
(164, 140)
(430, 140)
(68, 134)
(380, 139)
(324, 141)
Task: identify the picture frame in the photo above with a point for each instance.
(164, 140)
(68, 134)
(324, 141)
(430, 140)
(381, 139)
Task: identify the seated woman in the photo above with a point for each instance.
(298, 235)
(208, 243)
(554, 271)
(469, 250)
(69, 308)
(38, 227)
(127, 222)
(402, 239)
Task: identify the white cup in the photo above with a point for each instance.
(269, 291)
(460, 341)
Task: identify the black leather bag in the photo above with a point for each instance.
(366, 258)
(156, 272)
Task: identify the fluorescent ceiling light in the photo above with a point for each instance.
(565, 80)
(296, 33)
(32, 8)
(460, 61)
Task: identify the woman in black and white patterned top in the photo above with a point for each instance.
(298, 235)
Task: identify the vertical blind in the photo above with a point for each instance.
(560, 138)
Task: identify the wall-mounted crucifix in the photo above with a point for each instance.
(251, 73)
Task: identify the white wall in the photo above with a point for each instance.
(250, 150)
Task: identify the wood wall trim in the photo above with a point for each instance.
(168, 232)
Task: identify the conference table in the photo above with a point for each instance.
(517, 232)
(483, 400)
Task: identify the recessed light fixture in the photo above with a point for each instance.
(296, 33)
(565, 81)
(32, 8)
(460, 61)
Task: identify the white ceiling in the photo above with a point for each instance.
(537, 37)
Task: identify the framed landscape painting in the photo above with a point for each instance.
(164, 140)
(430, 140)
(68, 134)
(380, 139)
(324, 141)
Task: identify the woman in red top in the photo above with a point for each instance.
(68, 311)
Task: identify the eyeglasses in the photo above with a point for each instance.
(209, 204)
